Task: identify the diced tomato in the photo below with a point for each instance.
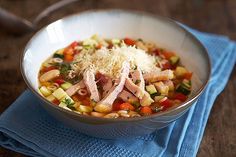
(46, 69)
(166, 65)
(156, 52)
(59, 81)
(116, 104)
(167, 55)
(126, 106)
(180, 96)
(86, 101)
(68, 58)
(75, 97)
(56, 102)
(166, 103)
(129, 41)
(145, 110)
(69, 51)
(188, 75)
(73, 44)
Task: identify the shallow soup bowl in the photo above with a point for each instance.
(116, 24)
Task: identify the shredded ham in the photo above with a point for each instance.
(73, 89)
(105, 105)
(89, 81)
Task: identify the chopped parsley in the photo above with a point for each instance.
(69, 103)
(137, 82)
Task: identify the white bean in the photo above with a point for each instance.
(49, 75)
(112, 115)
(97, 114)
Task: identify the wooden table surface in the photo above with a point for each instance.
(215, 16)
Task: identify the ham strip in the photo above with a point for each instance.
(127, 96)
(137, 77)
(136, 90)
(158, 76)
(73, 89)
(146, 100)
(107, 87)
(89, 81)
(105, 105)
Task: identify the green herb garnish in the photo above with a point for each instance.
(64, 68)
(56, 55)
(137, 82)
(69, 103)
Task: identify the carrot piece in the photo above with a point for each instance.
(126, 106)
(129, 41)
(167, 55)
(188, 75)
(146, 110)
(56, 102)
(68, 58)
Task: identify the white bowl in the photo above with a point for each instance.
(116, 24)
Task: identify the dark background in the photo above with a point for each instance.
(214, 16)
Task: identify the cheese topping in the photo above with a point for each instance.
(109, 61)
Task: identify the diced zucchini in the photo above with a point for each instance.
(66, 85)
(57, 55)
(45, 91)
(158, 98)
(155, 94)
(187, 83)
(115, 41)
(183, 89)
(63, 105)
(180, 71)
(59, 93)
(162, 88)
(151, 89)
(50, 98)
(60, 51)
(83, 108)
(174, 60)
(67, 99)
(136, 104)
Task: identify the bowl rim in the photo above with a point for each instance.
(114, 120)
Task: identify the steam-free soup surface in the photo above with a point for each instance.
(114, 78)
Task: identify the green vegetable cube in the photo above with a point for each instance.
(151, 89)
(50, 98)
(174, 60)
(66, 85)
(59, 93)
(45, 91)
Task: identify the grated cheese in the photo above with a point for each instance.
(109, 61)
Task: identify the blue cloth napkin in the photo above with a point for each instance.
(26, 128)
